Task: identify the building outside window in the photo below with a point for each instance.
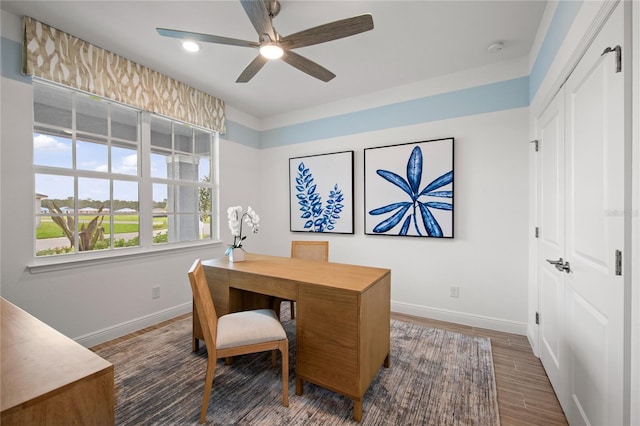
(111, 177)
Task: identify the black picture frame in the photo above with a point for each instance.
(321, 191)
(408, 189)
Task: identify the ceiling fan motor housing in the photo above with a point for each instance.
(273, 7)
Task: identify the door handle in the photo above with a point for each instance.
(560, 265)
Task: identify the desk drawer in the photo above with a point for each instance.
(264, 285)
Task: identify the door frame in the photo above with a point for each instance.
(596, 15)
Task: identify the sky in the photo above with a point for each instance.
(55, 151)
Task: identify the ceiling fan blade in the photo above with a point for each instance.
(208, 38)
(307, 66)
(252, 69)
(331, 31)
(259, 16)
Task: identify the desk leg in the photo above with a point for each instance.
(357, 409)
(299, 386)
(195, 344)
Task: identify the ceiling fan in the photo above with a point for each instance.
(272, 45)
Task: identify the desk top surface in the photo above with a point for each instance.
(36, 359)
(338, 275)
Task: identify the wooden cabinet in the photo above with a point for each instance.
(48, 379)
(343, 315)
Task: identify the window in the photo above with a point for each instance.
(110, 177)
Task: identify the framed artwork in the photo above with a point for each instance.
(321, 193)
(408, 189)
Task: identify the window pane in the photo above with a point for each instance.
(52, 151)
(182, 227)
(54, 188)
(183, 137)
(204, 200)
(93, 194)
(54, 200)
(92, 230)
(160, 225)
(126, 221)
(125, 197)
(51, 106)
(159, 164)
(91, 115)
(160, 133)
(92, 156)
(203, 142)
(183, 167)
(204, 170)
(124, 158)
(160, 197)
(126, 229)
(124, 123)
(185, 199)
(204, 203)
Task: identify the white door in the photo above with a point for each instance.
(595, 191)
(581, 184)
(551, 243)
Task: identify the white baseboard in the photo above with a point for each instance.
(460, 318)
(122, 329)
(119, 330)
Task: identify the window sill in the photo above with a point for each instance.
(52, 264)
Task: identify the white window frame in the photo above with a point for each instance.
(145, 200)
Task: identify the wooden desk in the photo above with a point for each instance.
(342, 317)
(48, 379)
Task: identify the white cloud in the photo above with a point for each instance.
(49, 143)
(128, 165)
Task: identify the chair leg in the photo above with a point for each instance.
(208, 382)
(276, 307)
(293, 309)
(284, 351)
(274, 358)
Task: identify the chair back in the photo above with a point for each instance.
(310, 250)
(204, 305)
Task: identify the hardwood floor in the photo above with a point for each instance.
(525, 396)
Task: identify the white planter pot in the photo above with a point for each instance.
(237, 255)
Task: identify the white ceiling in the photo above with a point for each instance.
(411, 41)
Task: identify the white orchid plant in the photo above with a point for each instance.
(236, 218)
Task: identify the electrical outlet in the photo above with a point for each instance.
(155, 292)
(454, 291)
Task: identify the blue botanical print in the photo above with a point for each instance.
(319, 219)
(415, 208)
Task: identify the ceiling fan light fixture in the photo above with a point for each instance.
(190, 46)
(271, 51)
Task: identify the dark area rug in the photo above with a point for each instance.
(436, 378)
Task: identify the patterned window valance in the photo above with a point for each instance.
(62, 58)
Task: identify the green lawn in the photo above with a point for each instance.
(122, 225)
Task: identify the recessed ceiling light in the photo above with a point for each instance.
(190, 46)
(495, 47)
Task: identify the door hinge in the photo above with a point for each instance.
(537, 232)
(618, 262)
(618, 51)
(536, 144)
(537, 318)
